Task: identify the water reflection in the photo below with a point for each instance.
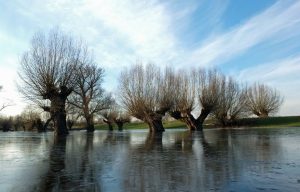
(54, 179)
(216, 160)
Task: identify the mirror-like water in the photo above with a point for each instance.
(218, 160)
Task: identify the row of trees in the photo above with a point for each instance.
(148, 93)
(58, 73)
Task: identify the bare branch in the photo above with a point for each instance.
(262, 100)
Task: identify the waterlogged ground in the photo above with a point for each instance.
(218, 160)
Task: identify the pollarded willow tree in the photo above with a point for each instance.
(147, 93)
(199, 88)
(184, 99)
(89, 96)
(114, 115)
(231, 103)
(263, 100)
(108, 116)
(48, 71)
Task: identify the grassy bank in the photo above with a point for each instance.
(139, 125)
(288, 121)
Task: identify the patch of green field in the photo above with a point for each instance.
(141, 125)
(288, 121)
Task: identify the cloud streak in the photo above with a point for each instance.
(278, 22)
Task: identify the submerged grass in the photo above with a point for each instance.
(269, 122)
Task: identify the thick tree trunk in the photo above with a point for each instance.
(191, 123)
(110, 127)
(155, 123)
(47, 123)
(58, 113)
(39, 125)
(263, 115)
(60, 124)
(200, 120)
(70, 124)
(109, 123)
(120, 125)
(90, 127)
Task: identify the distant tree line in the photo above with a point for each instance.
(59, 74)
(148, 93)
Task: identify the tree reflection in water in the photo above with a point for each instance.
(192, 162)
(54, 179)
(75, 174)
(171, 161)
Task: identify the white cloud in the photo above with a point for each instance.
(120, 32)
(144, 27)
(273, 71)
(9, 94)
(277, 22)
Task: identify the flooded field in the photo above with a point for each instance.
(177, 160)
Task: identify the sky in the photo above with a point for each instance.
(253, 41)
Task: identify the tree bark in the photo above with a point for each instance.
(154, 122)
(200, 120)
(263, 115)
(189, 120)
(47, 123)
(90, 127)
(109, 123)
(120, 124)
(58, 113)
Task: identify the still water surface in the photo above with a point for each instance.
(177, 160)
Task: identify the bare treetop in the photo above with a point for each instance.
(48, 71)
(89, 97)
(147, 93)
(49, 65)
(263, 100)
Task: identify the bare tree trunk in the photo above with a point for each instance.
(200, 120)
(110, 127)
(155, 123)
(90, 127)
(109, 123)
(47, 123)
(39, 125)
(59, 116)
(263, 114)
(120, 125)
(189, 120)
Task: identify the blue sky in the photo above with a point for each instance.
(257, 40)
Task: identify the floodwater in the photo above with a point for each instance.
(177, 160)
